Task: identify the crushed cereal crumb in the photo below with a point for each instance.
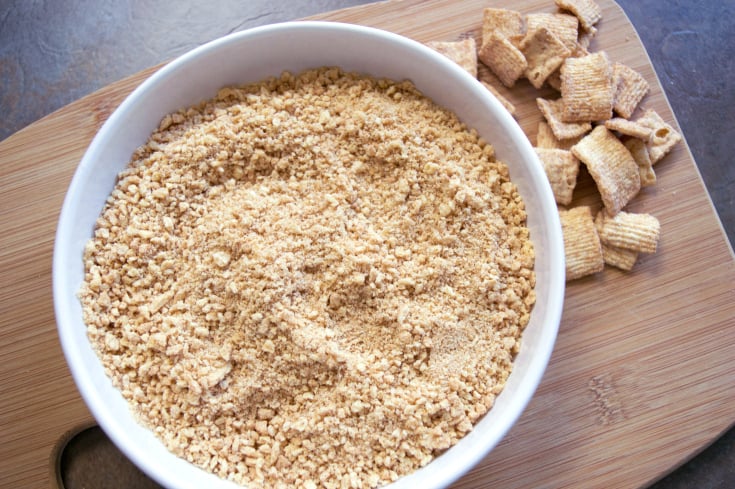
(319, 280)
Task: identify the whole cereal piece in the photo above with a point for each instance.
(552, 111)
(503, 22)
(503, 58)
(564, 27)
(639, 151)
(544, 53)
(582, 248)
(545, 138)
(463, 52)
(612, 255)
(619, 257)
(611, 166)
(587, 88)
(629, 128)
(587, 11)
(630, 88)
(630, 231)
(561, 168)
(664, 137)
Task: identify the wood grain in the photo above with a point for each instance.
(642, 374)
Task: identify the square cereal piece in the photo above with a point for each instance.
(503, 58)
(639, 151)
(664, 135)
(630, 88)
(503, 101)
(463, 52)
(545, 138)
(587, 88)
(544, 53)
(582, 248)
(503, 22)
(619, 257)
(561, 168)
(551, 109)
(629, 231)
(611, 166)
(587, 11)
(629, 128)
(565, 27)
(613, 256)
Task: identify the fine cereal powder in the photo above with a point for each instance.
(319, 280)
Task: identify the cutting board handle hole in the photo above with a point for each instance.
(85, 457)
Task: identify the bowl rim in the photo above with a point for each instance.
(85, 384)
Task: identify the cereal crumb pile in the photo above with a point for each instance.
(315, 281)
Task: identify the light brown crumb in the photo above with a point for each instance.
(318, 280)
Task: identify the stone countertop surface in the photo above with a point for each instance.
(55, 52)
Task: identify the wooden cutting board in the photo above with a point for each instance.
(643, 372)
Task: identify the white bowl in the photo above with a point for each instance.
(250, 56)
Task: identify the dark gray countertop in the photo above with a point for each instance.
(54, 52)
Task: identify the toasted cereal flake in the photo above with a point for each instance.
(503, 58)
(664, 137)
(587, 11)
(544, 53)
(563, 26)
(502, 22)
(582, 247)
(561, 168)
(619, 257)
(503, 101)
(551, 109)
(587, 88)
(639, 150)
(629, 128)
(463, 52)
(611, 166)
(630, 88)
(630, 231)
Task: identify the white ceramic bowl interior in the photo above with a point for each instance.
(250, 56)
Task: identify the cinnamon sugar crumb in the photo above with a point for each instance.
(315, 281)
